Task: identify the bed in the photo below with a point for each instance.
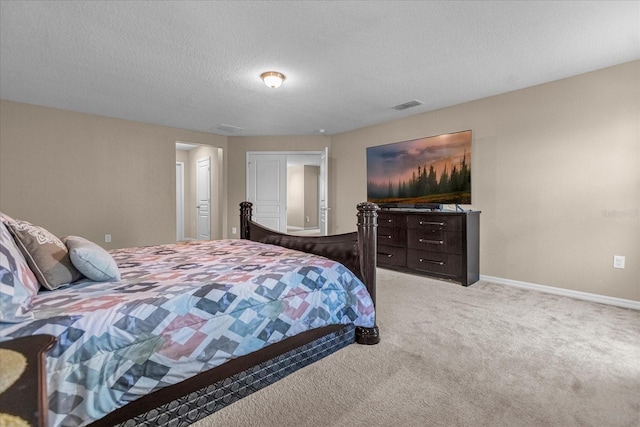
(186, 329)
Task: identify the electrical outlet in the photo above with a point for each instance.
(618, 261)
(234, 230)
(107, 238)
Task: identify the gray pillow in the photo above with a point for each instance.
(46, 255)
(92, 260)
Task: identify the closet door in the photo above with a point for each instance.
(267, 189)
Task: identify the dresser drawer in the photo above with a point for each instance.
(391, 255)
(435, 222)
(430, 243)
(435, 262)
(435, 241)
(390, 236)
(391, 220)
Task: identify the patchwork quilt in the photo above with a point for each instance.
(177, 311)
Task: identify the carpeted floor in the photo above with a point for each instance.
(486, 355)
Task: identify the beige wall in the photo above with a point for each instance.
(88, 175)
(237, 158)
(555, 173)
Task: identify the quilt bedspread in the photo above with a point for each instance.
(180, 310)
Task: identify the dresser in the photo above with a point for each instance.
(434, 243)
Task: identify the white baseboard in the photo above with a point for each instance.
(619, 302)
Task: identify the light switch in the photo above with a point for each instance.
(618, 261)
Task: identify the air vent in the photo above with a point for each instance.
(406, 105)
(227, 128)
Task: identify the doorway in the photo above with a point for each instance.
(198, 223)
(303, 180)
(289, 190)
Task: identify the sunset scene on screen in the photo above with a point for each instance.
(435, 169)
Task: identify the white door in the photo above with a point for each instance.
(267, 189)
(179, 201)
(203, 195)
(323, 192)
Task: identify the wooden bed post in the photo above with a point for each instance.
(245, 217)
(367, 249)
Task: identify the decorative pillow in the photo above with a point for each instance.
(5, 218)
(18, 285)
(45, 253)
(92, 260)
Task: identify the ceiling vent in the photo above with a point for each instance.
(227, 128)
(406, 105)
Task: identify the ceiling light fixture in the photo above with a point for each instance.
(273, 79)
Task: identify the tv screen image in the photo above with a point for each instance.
(434, 170)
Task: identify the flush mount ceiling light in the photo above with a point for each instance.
(273, 79)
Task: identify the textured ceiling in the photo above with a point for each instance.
(196, 65)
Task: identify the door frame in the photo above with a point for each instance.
(218, 191)
(179, 201)
(320, 154)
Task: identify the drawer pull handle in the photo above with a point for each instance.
(388, 237)
(385, 255)
(430, 261)
(436, 242)
(431, 223)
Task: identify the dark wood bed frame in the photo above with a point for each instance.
(356, 251)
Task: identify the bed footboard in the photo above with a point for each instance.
(357, 250)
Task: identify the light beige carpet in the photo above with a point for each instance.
(486, 355)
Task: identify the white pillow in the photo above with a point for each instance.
(92, 260)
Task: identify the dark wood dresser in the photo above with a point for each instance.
(433, 243)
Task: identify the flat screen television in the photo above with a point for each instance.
(426, 172)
